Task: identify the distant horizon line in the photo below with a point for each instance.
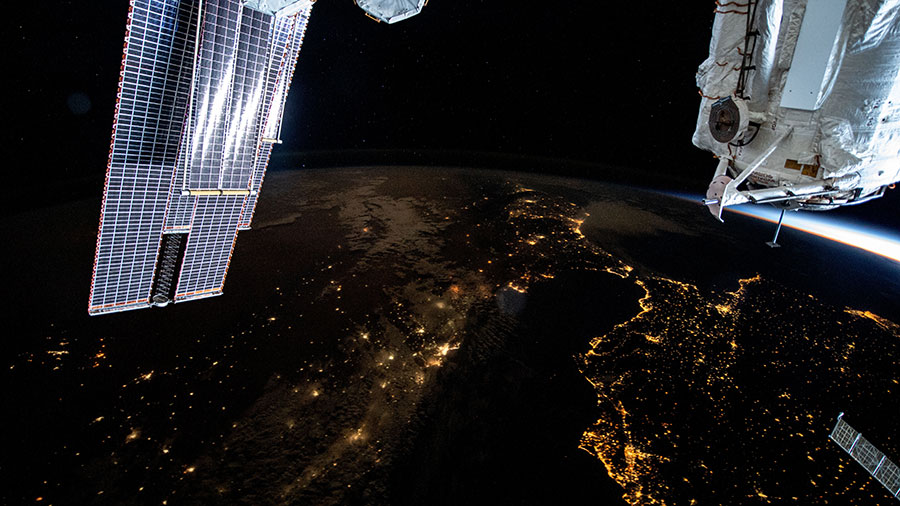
(475, 159)
(73, 188)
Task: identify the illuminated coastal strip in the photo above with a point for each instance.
(881, 242)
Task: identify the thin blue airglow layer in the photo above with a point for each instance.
(879, 241)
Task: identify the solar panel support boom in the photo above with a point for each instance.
(217, 193)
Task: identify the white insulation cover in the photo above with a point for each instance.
(279, 7)
(391, 11)
(853, 130)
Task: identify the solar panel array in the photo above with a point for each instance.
(189, 118)
(871, 458)
(287, 34)
(180, 207)
(209, 247)
(213, 78)
(242, 134)
(152, 97)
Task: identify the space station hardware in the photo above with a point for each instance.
(391, 11)
(202, 89)
(874, 461)
(801, 102)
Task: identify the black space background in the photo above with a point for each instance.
(573, 88)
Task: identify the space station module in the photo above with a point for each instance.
(801, 102)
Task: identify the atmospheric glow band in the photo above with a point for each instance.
(869, 238)
(882, 242)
